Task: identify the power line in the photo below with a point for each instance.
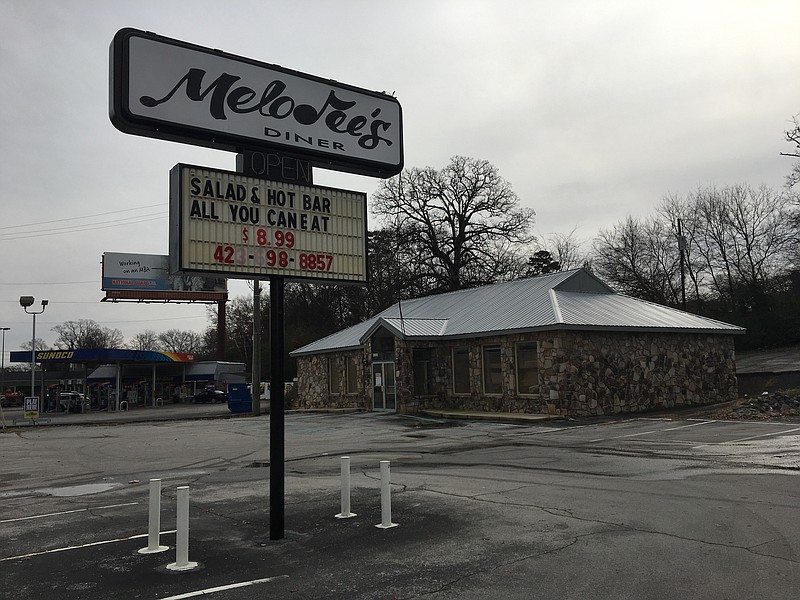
(111, 212)
(90, 227)
(105, 321)
(154, 320)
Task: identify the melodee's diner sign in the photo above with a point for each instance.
(168, 89)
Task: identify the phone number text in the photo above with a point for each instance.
(263, 257)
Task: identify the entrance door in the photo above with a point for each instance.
(383, 386)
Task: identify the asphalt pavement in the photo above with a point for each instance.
(637, 507)
(14, 416)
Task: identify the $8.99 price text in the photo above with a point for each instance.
(268, 237)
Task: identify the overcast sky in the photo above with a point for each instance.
(592, 110)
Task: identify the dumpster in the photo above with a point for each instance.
(239, 398)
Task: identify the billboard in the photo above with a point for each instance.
(173, 90)
(232, 225)
(146, 277)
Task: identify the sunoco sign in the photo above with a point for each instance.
(168, 89)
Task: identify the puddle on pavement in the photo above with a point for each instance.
(80, 490)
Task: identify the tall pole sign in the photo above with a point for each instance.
(267, 220)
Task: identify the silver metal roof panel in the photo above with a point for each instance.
(618, 311)
(569, 299)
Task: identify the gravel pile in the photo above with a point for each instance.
(775, 405)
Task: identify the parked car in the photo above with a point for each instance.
(71, 401)
(210, 395)
(12, 399)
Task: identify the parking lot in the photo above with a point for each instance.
(629, 508)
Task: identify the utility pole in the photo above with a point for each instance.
(682, 250)
(3, 374)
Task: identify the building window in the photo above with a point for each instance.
(492, 370)
(527, 368)
(334, 376)
(423, 371)
(461, 370)
(352, 375)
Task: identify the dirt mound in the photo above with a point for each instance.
(783, 404)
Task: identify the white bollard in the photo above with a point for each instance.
(154, 520)
(386, 498)
(182, 562)
(345, 513)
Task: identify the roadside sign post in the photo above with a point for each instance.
(31, 410)
(256, 164)
(267, 220)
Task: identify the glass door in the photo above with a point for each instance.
(384, 392)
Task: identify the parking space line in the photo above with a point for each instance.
(668, 442)
(223, 588)
(67, 512)
(89, 545)
(692, 425)
(744, 439)
(640, 433)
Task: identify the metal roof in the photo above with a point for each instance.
(408, 327)
(566, 300)
(619, 311)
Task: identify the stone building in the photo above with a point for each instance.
(564, 344)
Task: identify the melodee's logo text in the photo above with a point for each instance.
(340, 116)
(172, 90)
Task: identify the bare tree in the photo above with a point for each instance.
(738, 242)
(462, 224)
(40, 345)
(146, 340)
(86, 333)
(793, 137)
(239, 329)
(641, 259)
(566, 249)
(747, 235)
(175, 340)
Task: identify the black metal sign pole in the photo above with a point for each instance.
(276, 414)
(288, 169)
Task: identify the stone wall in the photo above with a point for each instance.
(508, 401)
(601, 373)
(313, 387)
(581, 373)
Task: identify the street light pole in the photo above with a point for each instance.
(25, 302)
(3, 360)
(3, 366)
